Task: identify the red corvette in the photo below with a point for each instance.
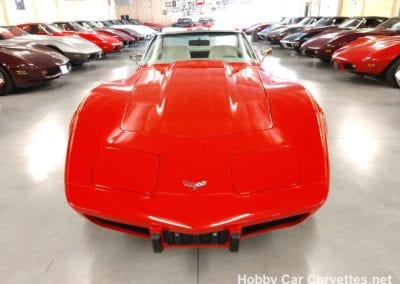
(199, 146)
(115, 33)
(107, 43)
(377, 56)
(326, 43)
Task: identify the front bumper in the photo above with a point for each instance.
(373, 68)
(80, 58)
(25, 77)
(274, 39)
(318, 52)
(291, 44)
(109, 48)
(196, 221)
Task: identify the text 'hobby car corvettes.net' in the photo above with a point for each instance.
(199, 146)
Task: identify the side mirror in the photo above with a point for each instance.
(136, 57)
(266, 51)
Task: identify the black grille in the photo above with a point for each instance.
(172, 238)
(263, 226)
(349, 66)
(135, 229)
(53, 71)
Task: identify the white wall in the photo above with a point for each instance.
(56, 10)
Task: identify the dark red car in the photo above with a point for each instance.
(275, 36)
(296, 39)
(326, 43)
(107, 43)
(377, 56)
(26, 65)
(256, 28)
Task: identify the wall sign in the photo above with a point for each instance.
(20, 4)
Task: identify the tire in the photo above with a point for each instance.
(8, 83)
(390, 73)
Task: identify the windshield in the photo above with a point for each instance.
(323, 22)
(391, 24)
(50, 29)
(350, 23)
(5, 34)
(107, 23)
(306, 21)
(86, 26)
(94, 25)
(15, 31)
(76, 27)
(135, 22)
(226, 46)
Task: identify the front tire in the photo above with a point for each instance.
(390, 74)
(6, 83)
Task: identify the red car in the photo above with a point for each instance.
(24, 65)
(120, 35)
(326, 43)
(372, 55)
(107, 43)
(199, 146)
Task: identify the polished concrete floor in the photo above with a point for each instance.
(356, 233)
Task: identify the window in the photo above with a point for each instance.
(226, 46)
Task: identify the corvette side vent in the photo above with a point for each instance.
(269, 225)
(121, 226)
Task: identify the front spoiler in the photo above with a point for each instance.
(196, 217)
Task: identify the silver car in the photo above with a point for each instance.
(77, 49)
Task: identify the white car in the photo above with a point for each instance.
(77, 49)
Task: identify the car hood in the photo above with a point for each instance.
(65, 43)
(319, 29)
(286, 29)
(367, 46)
(172, 102)
(324, 38)
(30, 54)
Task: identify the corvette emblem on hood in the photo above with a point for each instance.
(194, 185)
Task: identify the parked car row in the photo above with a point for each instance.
(33, 53)
(361, 45)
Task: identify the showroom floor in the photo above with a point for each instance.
(356, 233)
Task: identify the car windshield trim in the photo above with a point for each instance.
(351, 23)
(227, 46)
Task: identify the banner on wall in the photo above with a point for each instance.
(20, 4)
